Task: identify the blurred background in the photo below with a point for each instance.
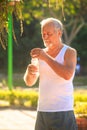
(27, 35)
(19, 33)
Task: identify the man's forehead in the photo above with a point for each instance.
(49, 26)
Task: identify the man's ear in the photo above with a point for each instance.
(59, 33)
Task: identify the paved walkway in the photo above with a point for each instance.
(17, 119)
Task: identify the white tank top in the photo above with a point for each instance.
(55, 93)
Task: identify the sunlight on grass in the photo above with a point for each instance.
(80, 89)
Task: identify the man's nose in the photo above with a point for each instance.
(45, 36)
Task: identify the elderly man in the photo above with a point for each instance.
(55, 64)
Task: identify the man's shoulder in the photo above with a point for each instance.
(71, 51)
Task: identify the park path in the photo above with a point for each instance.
(17, 119)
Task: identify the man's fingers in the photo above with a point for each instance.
(35, 52)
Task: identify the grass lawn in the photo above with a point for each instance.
(80, 82)
(80, 89)
(17, 81)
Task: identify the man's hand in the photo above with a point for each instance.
(32, 69)
(38, 53)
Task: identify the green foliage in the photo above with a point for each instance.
(80, 103)
(79, 43)
(33, 12)
(29, 98)
(80, 81)
(5, 9)
(80, 97)
(19, 97)
(81, 108)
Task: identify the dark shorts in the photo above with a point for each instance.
(56, 121)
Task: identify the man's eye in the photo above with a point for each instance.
(49, 34)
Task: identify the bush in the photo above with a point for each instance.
(80, 103)
(19, 98)
(81, 108)
(80, 97)
(28, 98)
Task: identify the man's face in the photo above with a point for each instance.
(49, 35)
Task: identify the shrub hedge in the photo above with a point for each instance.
(80, 103)
(19, 97)
(29, 98)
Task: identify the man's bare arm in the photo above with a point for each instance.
(31, 76)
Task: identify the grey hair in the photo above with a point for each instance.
(57, 23)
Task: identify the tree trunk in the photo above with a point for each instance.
(75, 28)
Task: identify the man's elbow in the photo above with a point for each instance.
(68, 76)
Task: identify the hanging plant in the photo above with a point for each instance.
(14, 7)
(57, 4)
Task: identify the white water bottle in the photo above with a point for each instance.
(34, 61)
